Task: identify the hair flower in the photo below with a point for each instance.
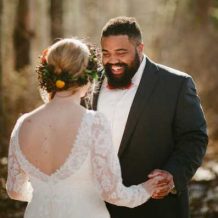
(52, 81)
(60, 84)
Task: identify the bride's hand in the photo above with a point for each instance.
(165, 185)
(154, 184)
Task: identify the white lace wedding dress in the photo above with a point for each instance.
(90, 175)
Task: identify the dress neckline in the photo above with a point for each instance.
(62, 166)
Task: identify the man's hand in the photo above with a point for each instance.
(165, 185)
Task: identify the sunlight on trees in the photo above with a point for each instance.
(179, 34)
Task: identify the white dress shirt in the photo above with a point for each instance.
(115, 104)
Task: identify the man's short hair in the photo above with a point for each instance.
(123, 26)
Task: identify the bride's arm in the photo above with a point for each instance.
(18, 185)
(107, 171)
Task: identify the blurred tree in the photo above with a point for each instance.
(56, 13)
(1, 88)
(202, 9)
(189, 44)
(22, 35)
(181, 34)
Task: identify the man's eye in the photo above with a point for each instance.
(122, 53)
(105, 55)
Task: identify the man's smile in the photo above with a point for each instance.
(117, 71)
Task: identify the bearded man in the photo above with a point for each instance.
(157, 122)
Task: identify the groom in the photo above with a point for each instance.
(157, 122)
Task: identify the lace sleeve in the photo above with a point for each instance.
(17, 180)
(107, 169)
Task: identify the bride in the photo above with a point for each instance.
(61, 157)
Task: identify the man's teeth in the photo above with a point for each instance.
(116, 68)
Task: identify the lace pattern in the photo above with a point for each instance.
(107, 169)
(73, 162)
(94, 141)
(18, 179)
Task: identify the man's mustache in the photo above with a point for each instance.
(109, 66)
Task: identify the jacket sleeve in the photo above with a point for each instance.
(190, 136)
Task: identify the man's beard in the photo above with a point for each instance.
(125, 79)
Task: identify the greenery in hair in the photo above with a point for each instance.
(52, 82)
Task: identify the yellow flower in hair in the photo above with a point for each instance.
(60, 84)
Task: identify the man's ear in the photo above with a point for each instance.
(140, 49)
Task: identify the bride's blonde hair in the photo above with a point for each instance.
(68, 55)
(67, 64)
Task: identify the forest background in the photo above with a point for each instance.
(182, 34)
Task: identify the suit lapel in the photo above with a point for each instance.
(146, 86)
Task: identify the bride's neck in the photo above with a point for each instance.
(67, 96)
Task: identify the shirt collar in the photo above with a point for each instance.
(138, 75)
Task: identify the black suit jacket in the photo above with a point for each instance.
(165, 129)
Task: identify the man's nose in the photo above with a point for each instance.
(113, 60)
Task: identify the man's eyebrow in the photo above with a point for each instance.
(119, 49)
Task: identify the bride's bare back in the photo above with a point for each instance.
(48, 134)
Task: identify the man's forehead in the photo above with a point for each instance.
(115, 38)
(116, 42)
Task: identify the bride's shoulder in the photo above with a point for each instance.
(18, 124)
(26, 117)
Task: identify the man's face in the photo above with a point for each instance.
(121, 59)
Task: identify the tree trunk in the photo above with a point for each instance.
(56, 13)
(197, 13)
(1, 88)
(22, 35)
(202, 8)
